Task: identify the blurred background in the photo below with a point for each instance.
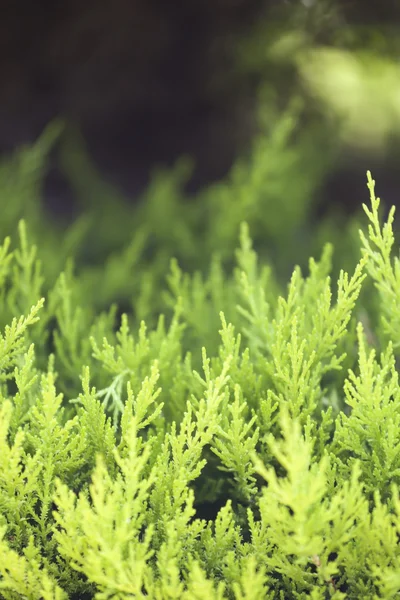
(140, 83)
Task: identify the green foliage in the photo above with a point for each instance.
(377, 247)
(347, 64)
(217, 435)
(370, 432)
(359, 76)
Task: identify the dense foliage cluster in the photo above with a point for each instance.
(174, 421)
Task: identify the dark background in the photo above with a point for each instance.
(149, 80)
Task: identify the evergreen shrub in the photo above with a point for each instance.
(198, 430)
